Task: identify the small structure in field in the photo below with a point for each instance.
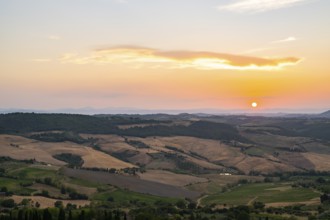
(225, 174)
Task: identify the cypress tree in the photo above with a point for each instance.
(61, 215)
(70, 215)
(20, 215)
(26, 215)
(82, 215)
(47, 215)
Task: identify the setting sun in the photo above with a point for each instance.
(254, 104)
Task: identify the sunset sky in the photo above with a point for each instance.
(165, 54)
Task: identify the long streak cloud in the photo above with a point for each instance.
(255, 6)
(139, 57)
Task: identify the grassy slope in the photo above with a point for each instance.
(263, 192)
(33, 173)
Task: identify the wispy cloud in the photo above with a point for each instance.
(256, 50)
(255, 6)
(289, 39)
(139, 57)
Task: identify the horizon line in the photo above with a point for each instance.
(142, 111)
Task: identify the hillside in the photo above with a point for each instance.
(150, 160)
(185, 143)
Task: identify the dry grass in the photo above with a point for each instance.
(27, 149)
(249, 163)
(211, 149)
(203, 147)
(161, 164)
(320, 161)
(297, 160)
(95, 158)
(217, 152)
(48, 202)
(43, 151)
(141, 158)
(214, 151)
(315, 201)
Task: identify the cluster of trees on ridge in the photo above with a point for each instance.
(20, 123)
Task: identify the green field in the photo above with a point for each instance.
(82, 182)
(263, 192)
(254, 151)
(19, 177)
(14, 185)
(33, 173)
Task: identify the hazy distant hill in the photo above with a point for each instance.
(30, 122)
(325, 114)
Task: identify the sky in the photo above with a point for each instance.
(165, 54)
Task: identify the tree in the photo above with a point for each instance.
(117, 215)
(61, 215)
(63, 190)
(192, 216)
(58, 204)
(45, 193)
(243, 216)
(47, 215)
(180, 204)
(25, 202)
(108, 215)
(48, 181)
(324, 198)
(192, 205)
(35, 214)
(20, 214)
(4, 189)
(70, 215)
(82, 215)
(8, 203)
(321, 180)
(258, 205)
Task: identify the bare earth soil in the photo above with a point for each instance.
(169, 178)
